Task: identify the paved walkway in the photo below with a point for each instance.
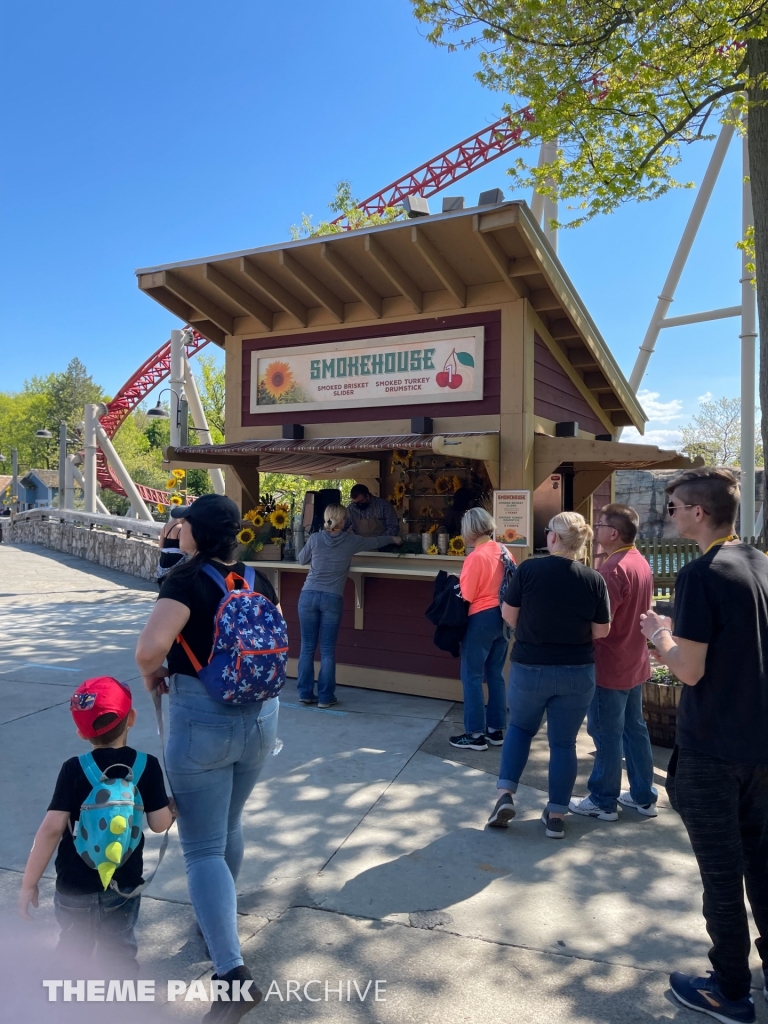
(366, 852)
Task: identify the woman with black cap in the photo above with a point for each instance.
(215, 752)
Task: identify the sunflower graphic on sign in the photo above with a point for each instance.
(278, 386)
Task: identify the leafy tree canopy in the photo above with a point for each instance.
(345, 205)
(621, 86)
(715, 433)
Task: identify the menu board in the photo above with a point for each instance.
(512, 513)
(425, 368)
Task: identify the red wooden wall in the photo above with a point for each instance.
(555, 396)
(397, 636)
(491, 379)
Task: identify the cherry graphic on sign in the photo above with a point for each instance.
(449, 376)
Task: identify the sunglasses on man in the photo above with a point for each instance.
(672, 508)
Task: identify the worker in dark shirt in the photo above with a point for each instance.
(718, 774)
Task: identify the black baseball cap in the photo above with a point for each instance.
(210, 510)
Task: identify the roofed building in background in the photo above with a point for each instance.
(37, 488)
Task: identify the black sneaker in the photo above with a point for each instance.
(554, 829)
(469, 742)
(495, 737)
(307, 700)
(503, 812)
(248, 995)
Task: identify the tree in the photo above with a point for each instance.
(715, 433)
(211, 384)
(622, 85)
(345, 205)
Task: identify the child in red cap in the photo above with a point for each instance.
(92, 917)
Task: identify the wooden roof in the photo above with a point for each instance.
(379, 272)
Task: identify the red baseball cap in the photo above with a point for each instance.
(97, 697)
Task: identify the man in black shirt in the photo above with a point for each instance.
(718, 774)
(92, 916)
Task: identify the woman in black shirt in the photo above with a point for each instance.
(558, 606)
(215, 751)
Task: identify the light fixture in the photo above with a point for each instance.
(43, 433)
(416, 206)
(159, 412)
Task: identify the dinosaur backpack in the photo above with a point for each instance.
(110, 824)
(250, 644)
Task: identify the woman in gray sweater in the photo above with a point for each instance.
(321, 602)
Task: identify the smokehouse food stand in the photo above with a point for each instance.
(416, 357)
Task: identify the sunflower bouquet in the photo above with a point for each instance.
(266, 523)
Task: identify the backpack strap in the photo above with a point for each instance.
(250, 577)
(92, 771)
(215, 576)
(138, 766)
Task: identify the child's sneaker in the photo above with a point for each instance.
(704, 994)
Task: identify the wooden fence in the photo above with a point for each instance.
(667, 557)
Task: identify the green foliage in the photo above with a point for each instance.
(285, 486)
(715, 433)
(621, 87)
(345, 205)
(212, 387)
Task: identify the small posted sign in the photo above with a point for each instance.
(512, 512)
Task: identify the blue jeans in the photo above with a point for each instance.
(214, 757)
(99, 921)
(564, 693)
(615, 719)
(483, 652)
(319, 619)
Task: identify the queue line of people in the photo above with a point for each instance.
(580, 650)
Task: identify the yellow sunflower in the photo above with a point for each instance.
(442, 485)
(399, 491)
(246, 535)
(510, 534)
(278, 378)
(432, 528)
(250, 515)
(283, 506)
(277, 540)
(160, 508)
(279, 519)
(176, 500)
(172, 482)
(179, 474)
(432, 549)
(456, 483)
(258, 520)
(456, 546)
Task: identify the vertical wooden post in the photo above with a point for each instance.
(516, 421)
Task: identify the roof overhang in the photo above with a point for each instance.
(438, 262)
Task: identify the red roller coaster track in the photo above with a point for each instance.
(454, 164)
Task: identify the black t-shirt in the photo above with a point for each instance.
(721, 599)
(559, 599)
(201, 595)
(73, 876)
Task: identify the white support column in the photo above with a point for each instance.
(176, 383)
(200, 421)
(62, 464)
(69, 484)
(77, 475)
(89, 464)
(748, 345)
(681, 256)
(137, 502)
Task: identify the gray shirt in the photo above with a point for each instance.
(378, 508)
(330, 555)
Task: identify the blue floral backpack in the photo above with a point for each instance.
(250, 643)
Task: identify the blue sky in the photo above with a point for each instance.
(142, 133)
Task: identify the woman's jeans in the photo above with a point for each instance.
(319, 619)
(214, 757)
(483, 652)
(564, 692)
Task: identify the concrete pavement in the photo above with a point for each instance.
(366, 853)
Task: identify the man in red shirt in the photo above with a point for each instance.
(622, 664)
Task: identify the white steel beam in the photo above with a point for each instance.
(748, 345)
(89, 464)
(176, 383)
(200, 421)
(122, 474)
(77, 475)
(700, 318)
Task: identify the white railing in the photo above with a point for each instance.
(92, 520)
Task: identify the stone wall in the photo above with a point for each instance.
(643, 489)
(133, 555)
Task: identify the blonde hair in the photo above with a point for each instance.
(476, 522)
(334, 517)
(573, 532)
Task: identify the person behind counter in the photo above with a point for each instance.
(369, 515)
(484, 647)
(463, 500)
(321, 602)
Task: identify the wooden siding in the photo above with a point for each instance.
(397, 637)
(555, 396)
(491, 383)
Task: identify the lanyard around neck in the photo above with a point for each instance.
(721, 540)
(618, 551)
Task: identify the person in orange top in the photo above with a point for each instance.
(484, 647)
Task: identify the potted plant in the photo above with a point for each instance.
(263, 535)
(661, 698)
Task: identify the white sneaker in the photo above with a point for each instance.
(649, 810)
(591, 810)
